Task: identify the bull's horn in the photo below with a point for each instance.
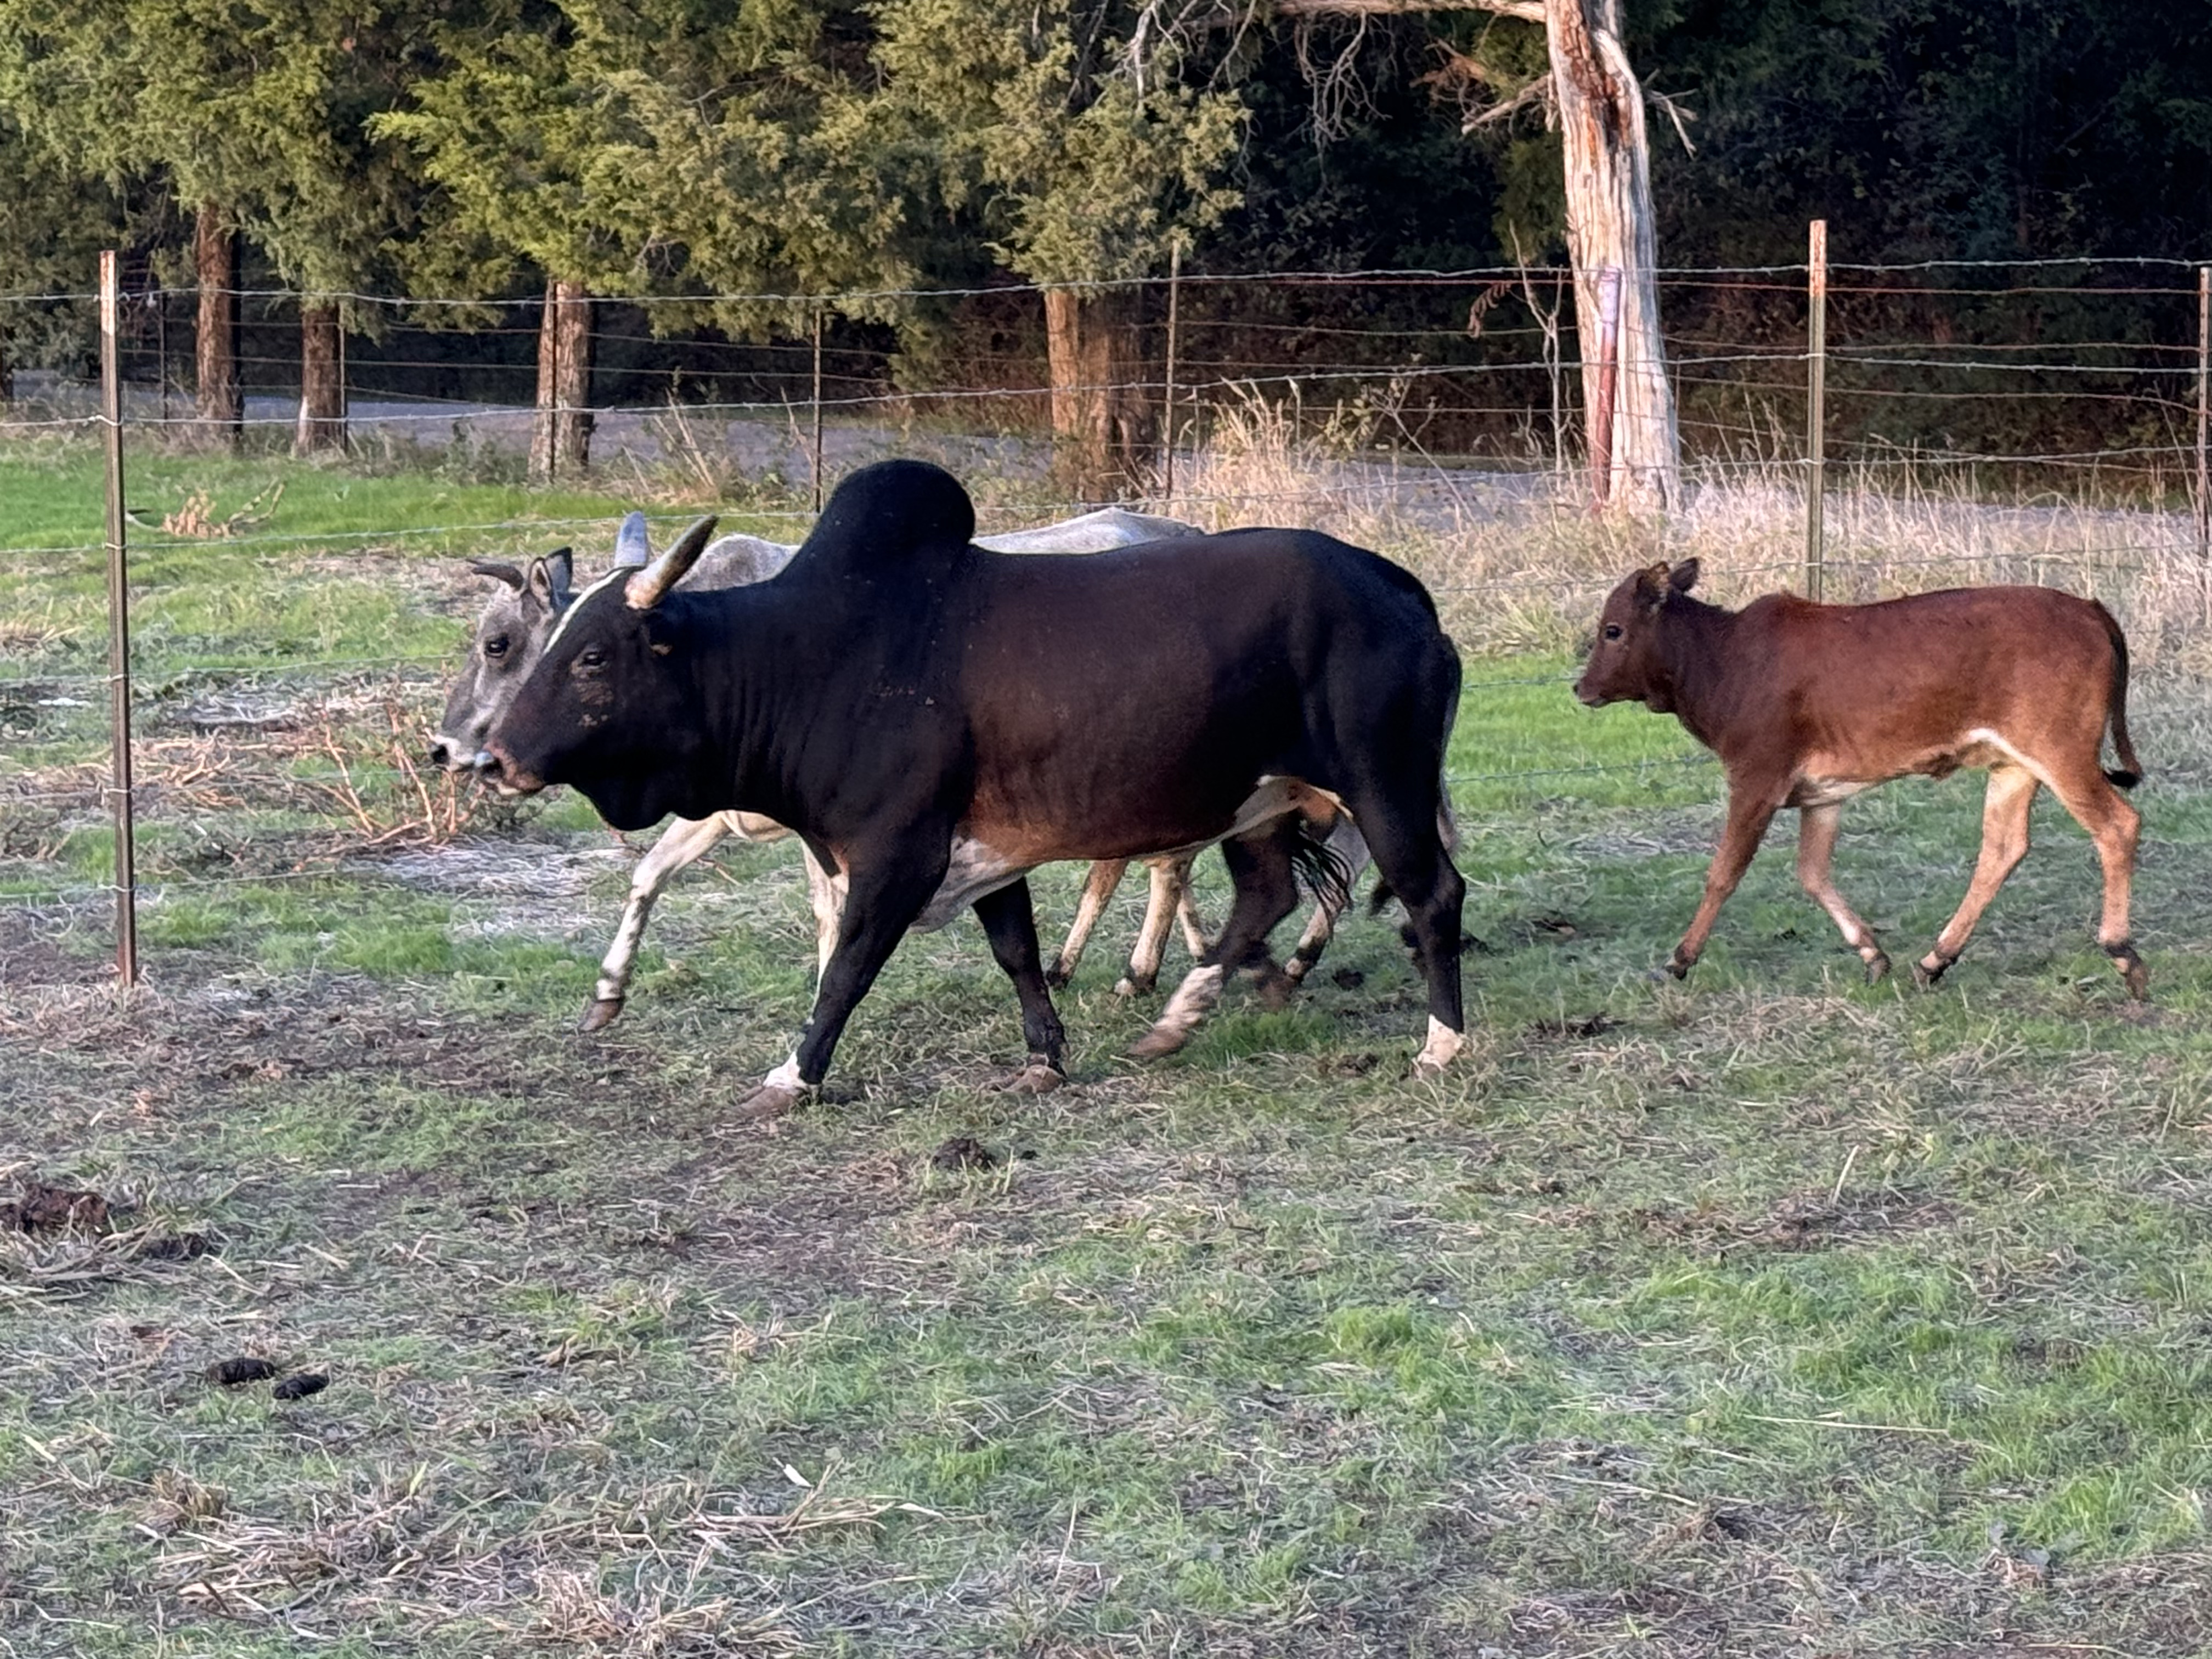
(650, 585)
(632, 549)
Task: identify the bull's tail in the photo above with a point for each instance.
(1320, 868)
(2130, 772)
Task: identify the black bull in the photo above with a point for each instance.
(936, 720)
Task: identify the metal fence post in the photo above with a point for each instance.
(119, 629)
(1816, 398)
(818, 408)
(2203, 411)
(1608, 378)
(1168, 397)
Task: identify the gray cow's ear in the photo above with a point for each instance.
(632, 549)
(1684, 576)
(550, 578)
(650, 585)
(498, 571)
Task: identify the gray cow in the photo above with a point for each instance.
(511, 636)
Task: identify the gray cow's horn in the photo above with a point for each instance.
(632, 549)
(650, 585)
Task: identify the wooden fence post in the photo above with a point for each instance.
(1816, 400)
(119, 629)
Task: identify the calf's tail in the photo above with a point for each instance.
(2129, 773)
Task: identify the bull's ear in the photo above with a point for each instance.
(1685, 576)
(650, 585)
(550, 578)
(1651, 584)
(633, 551)
(498, 571)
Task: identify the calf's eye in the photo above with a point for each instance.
(1613, 630)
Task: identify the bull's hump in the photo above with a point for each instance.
(885, 515)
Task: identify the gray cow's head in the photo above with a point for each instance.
(610, 707)
(510, 637)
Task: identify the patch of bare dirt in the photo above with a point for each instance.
(27, 960)
(1804, 1221)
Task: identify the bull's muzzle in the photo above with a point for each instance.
(497, 768)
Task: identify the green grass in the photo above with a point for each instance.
(1771, 1312)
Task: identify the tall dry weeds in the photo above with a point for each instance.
(1521, 561)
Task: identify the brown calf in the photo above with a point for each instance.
(1806, 704)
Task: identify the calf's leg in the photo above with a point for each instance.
(1816, 848)
(2006, 806)
(1750, 810)
(1011, 926)
(1098, 890)
(2115, 826)
(684, 841)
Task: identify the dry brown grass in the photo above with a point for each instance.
(1519, 561)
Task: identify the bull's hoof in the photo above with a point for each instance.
(769, 1100)
(1926, 977)
(1877, 968)
(1158, 1044)
(601, 1011)
(1039, 1077)
(1127, 987)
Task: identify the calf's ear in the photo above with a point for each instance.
(1651, 584)
(1685, 576)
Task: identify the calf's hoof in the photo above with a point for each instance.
(769, 1100)
(1925, 977)
(1039, 1077)
(2131, 968)
(1057, 976)
(600, 1012)
(1877, 968)
(1676, 967)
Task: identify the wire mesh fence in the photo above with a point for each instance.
(2035, 422)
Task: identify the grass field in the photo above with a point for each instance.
(1769, 1314)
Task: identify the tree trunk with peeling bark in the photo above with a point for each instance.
(1610, 222)
(322, 427)
(219, 404)
(1101, 419)
(561, 436)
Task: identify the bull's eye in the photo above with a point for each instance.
(591, 659)
(495, 647)
(1613, 630)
